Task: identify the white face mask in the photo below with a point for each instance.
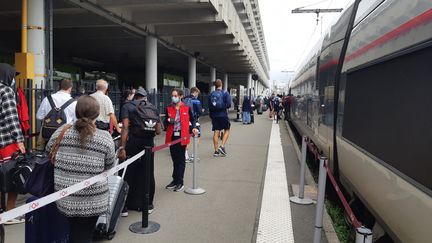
(175, 100)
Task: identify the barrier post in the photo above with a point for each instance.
(195, 190)
(300, 199)
(363, 235)
(320, 201)
(145, 226)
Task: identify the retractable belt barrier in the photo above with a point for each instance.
(29, 207)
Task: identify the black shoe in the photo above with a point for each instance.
(150, 209)
(222, 151)
(171, 186)
(216, 154)
(179, 188)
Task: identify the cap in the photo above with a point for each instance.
(141, 91)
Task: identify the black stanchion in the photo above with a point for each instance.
(145, 226)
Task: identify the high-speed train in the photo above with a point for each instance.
(381, 149)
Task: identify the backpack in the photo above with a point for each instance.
(55, 118)
(217, 100)
(143, 119)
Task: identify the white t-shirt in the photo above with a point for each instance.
(105, 104)
(59, 98)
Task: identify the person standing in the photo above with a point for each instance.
(247, 109)
(219, 102)
(195, 105)
(62, 100)
(178, 117)
(138, 133)
(83, 152)
(11, 137)
(106, 107)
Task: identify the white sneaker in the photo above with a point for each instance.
(15, 221)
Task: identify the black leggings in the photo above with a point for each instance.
(81, 229)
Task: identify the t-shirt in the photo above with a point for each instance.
(105, 104)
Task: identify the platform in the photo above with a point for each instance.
(233, 208)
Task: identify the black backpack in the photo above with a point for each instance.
(55, 118)
(143, 119)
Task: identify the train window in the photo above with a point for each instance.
(388, 113)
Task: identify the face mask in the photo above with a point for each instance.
(175, 100)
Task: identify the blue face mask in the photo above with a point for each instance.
(175, 100)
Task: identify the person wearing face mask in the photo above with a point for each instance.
(178, 117)
(11, 137)
(195, 105)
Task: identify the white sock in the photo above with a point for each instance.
(186, 155)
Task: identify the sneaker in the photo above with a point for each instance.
(171, 186)
(150, 209)
(15, 221)
(189, 160)
(124, 212)
(216, 154)
(179, 188)
(222, 151)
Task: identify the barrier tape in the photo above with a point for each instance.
(350, 213)
(29, 207)
(157, 148)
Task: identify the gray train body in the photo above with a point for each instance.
(384, 116)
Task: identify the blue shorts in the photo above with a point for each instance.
(220, 123)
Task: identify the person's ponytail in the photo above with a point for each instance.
(87, 110)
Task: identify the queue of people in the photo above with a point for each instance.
(84, 147)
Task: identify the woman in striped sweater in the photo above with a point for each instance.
(84, 152)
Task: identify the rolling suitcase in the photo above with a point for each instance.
(118, 191)
(46, 224)
(252, 117)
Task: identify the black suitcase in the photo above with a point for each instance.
(46, 224)
(252, 117)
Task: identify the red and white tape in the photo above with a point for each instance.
(26, 208)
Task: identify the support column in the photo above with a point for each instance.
(225, 84)
(212, 78)
(249, 84)
(151, 64)
(36, 39)
(256, 88)
(192, 72)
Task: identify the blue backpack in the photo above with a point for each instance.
(217, 100)
(188, 102)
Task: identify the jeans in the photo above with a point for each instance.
(246, 117)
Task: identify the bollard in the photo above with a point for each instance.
(195, 190)
(145, 226)
(301, 199)
(363, 235)
(320, 202)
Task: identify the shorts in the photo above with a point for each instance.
(220, 123)
(8, 151)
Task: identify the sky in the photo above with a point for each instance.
(290, 36)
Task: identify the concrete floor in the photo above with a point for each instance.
(229, 210)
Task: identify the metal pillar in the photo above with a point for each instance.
(151, 64)
(195, 190)
(36, 38)
(301, 199)
(249, 84)
(192, 72)
(225, 84)
(256, 88)
(320, 202)
(212, 78)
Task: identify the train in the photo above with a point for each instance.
(374, 122)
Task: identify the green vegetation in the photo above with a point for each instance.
(343, 230)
